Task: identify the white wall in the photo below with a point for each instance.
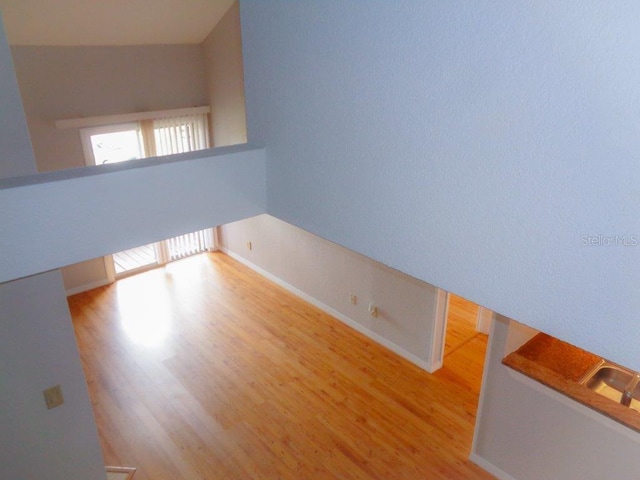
(83, 276)
(17, 154)
(469, 145)
(526, 431)
(329, 273)
(37, 351)
(225, 80)
(92, 211)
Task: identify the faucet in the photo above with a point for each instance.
(627, 396)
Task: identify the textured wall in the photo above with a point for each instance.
(37, 344)
(37, 351)
(89, 212)
(473, 145)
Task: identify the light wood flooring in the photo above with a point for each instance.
(203, 369)
(461, 323)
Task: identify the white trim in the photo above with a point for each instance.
(215, 239)
(87, 286)
(109, 268)
(334, 313)
(440, 314)
(129, 117)
(475, 457)
(485, 375)
(162, 252)
(484, 319)
(124, 473)
(435, 367)
(490, 467)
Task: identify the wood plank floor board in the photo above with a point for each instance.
(461, 322)
(245, 380)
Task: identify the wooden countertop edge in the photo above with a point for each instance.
(575, 391)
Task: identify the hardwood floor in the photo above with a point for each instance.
(205, 370)
(461, 323)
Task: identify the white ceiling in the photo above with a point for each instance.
(110, 22)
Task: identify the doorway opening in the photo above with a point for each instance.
(458, 322)
(139, 259)
(462, 319)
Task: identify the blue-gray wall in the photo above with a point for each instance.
(473, 145)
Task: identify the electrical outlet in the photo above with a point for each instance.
(353, 299)
(53, 397)
(373, 310)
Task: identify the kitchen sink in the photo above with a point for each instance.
(614, 382)
(635, 398)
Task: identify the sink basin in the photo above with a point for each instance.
(609, 381)
(614, 382)
(635, 398)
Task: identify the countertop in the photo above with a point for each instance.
(560, 366)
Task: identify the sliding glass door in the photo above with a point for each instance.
(131, 141)
(114, 144)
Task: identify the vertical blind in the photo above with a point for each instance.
(180, 134)
(189, 244)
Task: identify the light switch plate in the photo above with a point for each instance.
(53, 397)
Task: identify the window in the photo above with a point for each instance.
(144, 138)
(112, 143)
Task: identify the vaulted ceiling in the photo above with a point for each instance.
(112, 22)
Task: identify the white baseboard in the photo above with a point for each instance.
(490, 467)
(87, 286)
(434, 367)
(334, 313)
